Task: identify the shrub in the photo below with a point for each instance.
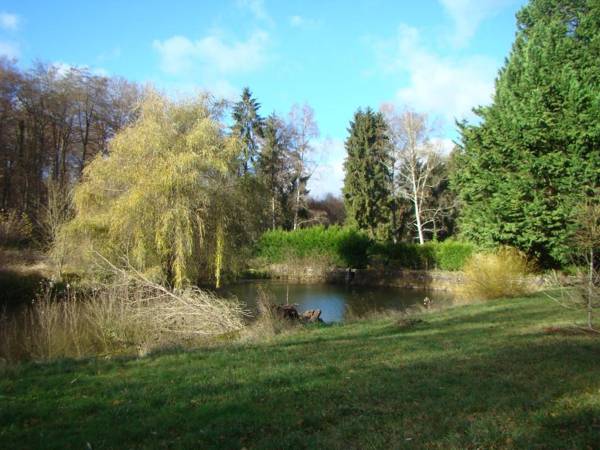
(501, 273)
(134, 315)
(267, 324)
(343, 246)
(452, 255)
(402, 254)
(347, 247)
(447, 255)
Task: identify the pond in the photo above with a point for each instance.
(336, 302)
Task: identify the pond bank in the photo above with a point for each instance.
(436, 280)
(338, 302)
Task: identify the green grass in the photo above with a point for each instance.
(478, 376)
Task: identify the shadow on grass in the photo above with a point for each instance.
(380, 387)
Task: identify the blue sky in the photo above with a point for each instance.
(436, 56)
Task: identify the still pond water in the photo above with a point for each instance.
(336, 302)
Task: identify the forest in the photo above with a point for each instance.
(187, 191)
(127, 214)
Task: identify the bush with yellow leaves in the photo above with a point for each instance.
(499, 273)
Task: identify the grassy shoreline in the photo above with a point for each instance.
(484, 375)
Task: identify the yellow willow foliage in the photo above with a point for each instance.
(150, 199)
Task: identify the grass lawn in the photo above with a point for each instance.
(478, 376)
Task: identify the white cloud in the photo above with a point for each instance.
(110, 55)
(186, 89)
(441, 86)
(328, 176)
(180, 55)
(9, 49)
(63, 68)
(443, 145)
(302, 22)
(100, 71)
(223, 89)
(9, 21)
(256, 8)
(296, 21)
(467, 15)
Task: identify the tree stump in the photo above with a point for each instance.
(290, 312)
(311, 315)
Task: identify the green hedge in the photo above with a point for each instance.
(345, 246)
(402, 254)
(447, 255)
(452, 255)
(350, 248)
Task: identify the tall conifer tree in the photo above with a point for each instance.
(367, 183)
(273, 167)
(536, 151)
(248, 128)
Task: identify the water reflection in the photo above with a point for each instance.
(336, 302)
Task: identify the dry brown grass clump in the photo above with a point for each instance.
(125, 317)
(267, 322)
(501, 273)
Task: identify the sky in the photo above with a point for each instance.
(438, 57)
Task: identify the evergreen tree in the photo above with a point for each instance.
(536, 150)
(247, 128)
(273, 167)
(367, 184)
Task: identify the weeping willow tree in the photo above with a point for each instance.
(157, 201)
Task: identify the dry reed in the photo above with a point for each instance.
(127, 316)
(501, 273)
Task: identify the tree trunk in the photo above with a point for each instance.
(220, 241)
(417, 210)
(590, 291)
(273, 211)
(84, 142)
(394, 205)
(297, 207)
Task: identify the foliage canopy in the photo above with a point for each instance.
(367, 184)
(160, 197)
(536, 151)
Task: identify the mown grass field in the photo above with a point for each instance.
(477, 376)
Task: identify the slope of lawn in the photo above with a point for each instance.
(478, 376)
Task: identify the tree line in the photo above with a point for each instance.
(53, 121)
(396, 177)
(180, 189)
(518, 175)
(196, 201)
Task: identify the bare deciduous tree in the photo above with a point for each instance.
(587, 240)
(53, 121)
(415, 159)
(584, 290)
(303, 129)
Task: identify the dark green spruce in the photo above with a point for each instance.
(273, 169)
(248, 127)
(535, 153)
(367, 184)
